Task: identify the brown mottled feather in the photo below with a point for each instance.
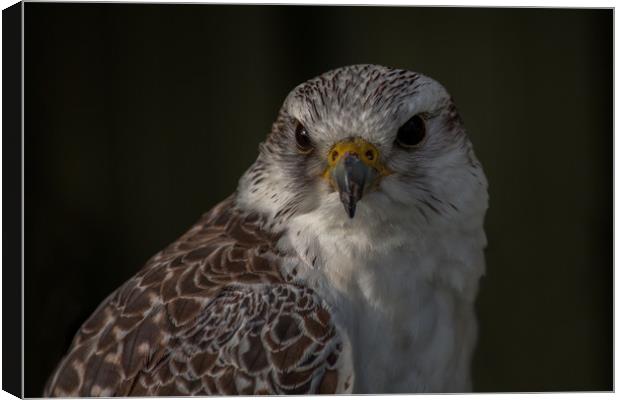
(210, 314)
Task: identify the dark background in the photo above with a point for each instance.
(141, 117)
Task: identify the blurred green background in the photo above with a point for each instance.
(141, 117)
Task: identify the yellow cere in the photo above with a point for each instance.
(366, 152)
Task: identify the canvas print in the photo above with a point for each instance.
(233, 199)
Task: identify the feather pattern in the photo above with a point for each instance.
(210, 314)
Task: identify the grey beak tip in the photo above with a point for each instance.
(351, 212)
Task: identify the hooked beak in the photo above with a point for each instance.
(354, 168)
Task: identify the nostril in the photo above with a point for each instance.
(370, 155)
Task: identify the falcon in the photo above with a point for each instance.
(347, 261)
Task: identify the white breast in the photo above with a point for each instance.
(403, 297)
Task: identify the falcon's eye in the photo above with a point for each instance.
(304, 144)
(411, 133)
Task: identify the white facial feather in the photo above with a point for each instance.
(402, 275)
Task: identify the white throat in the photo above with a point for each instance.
(402, 291)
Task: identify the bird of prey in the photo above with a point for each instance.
(346, 261)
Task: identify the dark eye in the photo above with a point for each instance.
(304, 144)
(412, 132)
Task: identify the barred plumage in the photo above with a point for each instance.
(210, 314)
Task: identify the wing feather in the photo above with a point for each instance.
(210, 314)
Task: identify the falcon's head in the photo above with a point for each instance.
(366, 144)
